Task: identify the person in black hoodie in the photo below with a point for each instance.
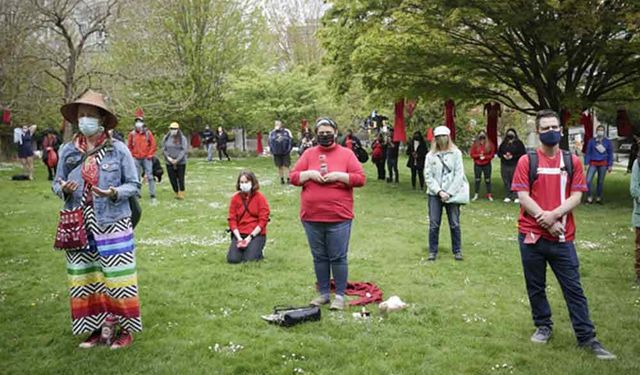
(221, 143)
(510, 150)
(392, 157)
(417, 152)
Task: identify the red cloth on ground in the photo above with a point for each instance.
(586, 120)
(259, 148)
(493, 111)
(358, 288)
(257, 213)
(546, 191)
(399, 132)
(330, 202)
(449, 117)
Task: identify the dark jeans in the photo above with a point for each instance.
(435, 216)
(392, 166)
(478, 170)
(563, 259)
(419, 172)
(602, 171)
(329, 243)
(223, 150)
(381, 170)
(176, 176)
(507, 171)
(250, 253)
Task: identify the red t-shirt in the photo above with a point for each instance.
(333, 202)
(546, 191)
(257, 213)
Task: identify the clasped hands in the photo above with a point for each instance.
(549, 220)
(316, 176)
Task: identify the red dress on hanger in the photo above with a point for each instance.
(493, 111)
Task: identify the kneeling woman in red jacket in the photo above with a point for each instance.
(248, 218)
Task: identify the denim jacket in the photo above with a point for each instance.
(438, 177)
(117, 169)
(635, 193)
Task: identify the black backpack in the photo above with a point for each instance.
(533, 166)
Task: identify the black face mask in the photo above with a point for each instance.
(510, 136)
(325, 140)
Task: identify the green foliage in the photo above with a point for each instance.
(464, 317)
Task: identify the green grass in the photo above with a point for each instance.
(465, 317)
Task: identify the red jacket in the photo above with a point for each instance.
(478, 150)
(142, 144)
(329, 203)
(257, 213)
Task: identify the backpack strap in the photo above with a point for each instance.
(533, 167)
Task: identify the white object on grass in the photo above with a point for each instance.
(394, 303)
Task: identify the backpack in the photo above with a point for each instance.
(533, 166)
(376, 154)
(281, 142)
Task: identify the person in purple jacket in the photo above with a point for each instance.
(598, 158)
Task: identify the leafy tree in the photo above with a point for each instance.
(527, 54)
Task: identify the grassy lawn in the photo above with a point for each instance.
(202, 316)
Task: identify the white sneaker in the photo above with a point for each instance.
(475, 197)
(516, 201)
(507, 200)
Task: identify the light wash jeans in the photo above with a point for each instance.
(147, 166)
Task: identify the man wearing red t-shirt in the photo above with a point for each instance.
(547, 230)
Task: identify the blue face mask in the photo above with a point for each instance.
(550, 138)
(89, 125)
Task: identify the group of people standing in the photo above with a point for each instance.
(220, 138)
(98, 174)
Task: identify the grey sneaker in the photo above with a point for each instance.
(337, 304)
(596, 348)
(457, 256)
(541, 335)
(432, 257)
(319, 301)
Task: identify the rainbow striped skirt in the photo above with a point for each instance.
(103, 280)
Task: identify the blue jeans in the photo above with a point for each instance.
(146, 165)
(435, 217)
(564, 262)
(209, 147)
(329, 243)
(602, 171)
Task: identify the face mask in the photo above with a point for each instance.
(139, 125)
(416, 138)
(325, 140)
(89, 125)
(173, 132)
(550, 138)
(442, 142)
(510, 136)
(600, 134)
(245, 187)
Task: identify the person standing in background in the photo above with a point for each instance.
(599, 158)
(174, 149)
(142, 145)
(280, 144)
(221, 143)
(208, 137)
(510, 151)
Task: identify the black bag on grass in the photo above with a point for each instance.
(288, 316)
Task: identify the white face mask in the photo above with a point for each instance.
(245, 187)
(139, 125)
(599, 134)
(173, 132)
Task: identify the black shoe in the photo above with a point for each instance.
(596, 348)
(389, 180)
(457, 256)
(541, 335)
(599, 201)
(288, 181)
(432, 257)
(282, 180)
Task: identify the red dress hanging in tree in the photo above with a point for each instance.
(399, 132)
(449, 117)
(493, 111)
(625, 129)
(259, 148)
(586, 120)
